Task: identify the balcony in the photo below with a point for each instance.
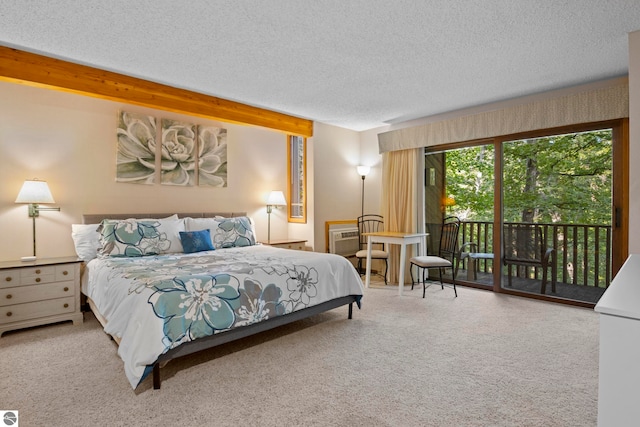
(582, 259)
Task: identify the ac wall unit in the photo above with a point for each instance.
(344, 242)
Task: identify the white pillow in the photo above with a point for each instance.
(172, 228)
(86, 240)
(197, 224)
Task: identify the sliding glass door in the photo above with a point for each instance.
(466, 190)
(542, 215)
(557, 198)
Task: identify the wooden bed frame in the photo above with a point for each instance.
(221, 338)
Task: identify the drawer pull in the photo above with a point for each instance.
(9, 296)
(37, 280)
(64, 273)
(8, 279)
(66, 289)
(66, 305)
(9, 314)
(38, 271)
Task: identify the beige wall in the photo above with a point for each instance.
(634, 142)
(337, 186)
(69, 141)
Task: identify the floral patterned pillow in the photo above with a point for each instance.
(131, 237)
(233, 232)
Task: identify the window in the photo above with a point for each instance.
(297, 178)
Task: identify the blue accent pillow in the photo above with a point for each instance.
(196, 241)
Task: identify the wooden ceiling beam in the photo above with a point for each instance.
(36, 70)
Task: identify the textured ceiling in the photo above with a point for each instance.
(357, 64)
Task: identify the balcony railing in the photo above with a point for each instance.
(582, 251)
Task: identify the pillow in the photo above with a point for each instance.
(172, 228)
(134, 237)
(196, 241)
(233, 232)
(196, 224)
(86, 240)
(86, 237)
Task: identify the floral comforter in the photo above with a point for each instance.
(156, 303)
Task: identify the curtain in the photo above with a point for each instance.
(400, 201)
(600, 104)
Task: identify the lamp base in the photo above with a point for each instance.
(28, 258)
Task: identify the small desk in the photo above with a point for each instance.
(395, 238)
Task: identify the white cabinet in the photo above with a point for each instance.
(619, 370)
(39, 292)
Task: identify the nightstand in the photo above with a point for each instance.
(39, 292)
(296, 244)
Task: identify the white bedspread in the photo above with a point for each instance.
(155, 303)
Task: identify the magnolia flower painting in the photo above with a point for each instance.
(136, 148)
(178, 155)
(212, 156)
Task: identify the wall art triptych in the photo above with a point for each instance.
(187, 154)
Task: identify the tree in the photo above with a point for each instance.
(564, 178)
(469, 181)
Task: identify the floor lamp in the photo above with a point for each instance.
(363, 171)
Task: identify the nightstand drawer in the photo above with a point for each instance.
(23, 294)
(65, 272)
(9, 277)
(46, 270)
(298, 245)
(32, 310)
(295, 246)
(33, 275)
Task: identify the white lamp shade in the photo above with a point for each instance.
(35, 191)
(363, 170)
(276, 198)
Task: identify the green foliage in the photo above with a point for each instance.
(557, 180)
(563, 178)
(470, 182)
(570, 179)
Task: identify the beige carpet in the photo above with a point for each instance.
(481, 359)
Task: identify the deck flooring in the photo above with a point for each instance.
(588, 294)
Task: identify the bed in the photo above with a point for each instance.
(194, 281)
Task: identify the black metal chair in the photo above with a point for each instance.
(524, 246)
(370, 223)
(447, 256)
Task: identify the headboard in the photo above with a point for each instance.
(96, 218)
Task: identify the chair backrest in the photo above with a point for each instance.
(523, 243)
(369, 223)
(449, 237)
